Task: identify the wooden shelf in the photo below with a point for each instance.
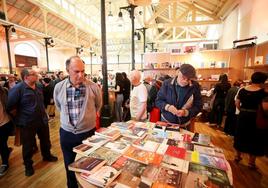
(224, 68)
(257, 66)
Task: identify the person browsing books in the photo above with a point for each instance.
(138, 97)
(179, 98)
(78, 101)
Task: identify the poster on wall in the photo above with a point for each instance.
(258, 60)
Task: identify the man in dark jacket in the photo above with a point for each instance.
(27, 99)
(179, 98)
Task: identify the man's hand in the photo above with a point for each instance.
(172, 109)
(182, 113)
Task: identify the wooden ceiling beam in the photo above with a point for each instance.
(162, 33)
(183, 23)
(156, 14)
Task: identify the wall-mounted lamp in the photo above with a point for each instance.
(110, 14)
(79, 50)
(13, 33)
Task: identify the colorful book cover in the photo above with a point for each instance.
(95, 141)
(187, 138)
(127, 180)
(120, 163)
(216, 176)
(150, 174)
(169, 178)
(108, 133)
(129, 140)
(175, 163)
(121, 125)
(176, 152)
(86, 165)
(154, 139)
(146, 145)
(137, 154)
(135, 132)
(84, 149)
(134, 167)
(213, 161)
(188, 146)
(118, 146)
(201, 139)
(104, 176)
(157, 159)
(159, 134)
(209, 150)
(174, 135)
(162, 149)
(145, 125)
(105, 153)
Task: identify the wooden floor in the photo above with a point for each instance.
(52, 175)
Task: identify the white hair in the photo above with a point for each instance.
(135, 76)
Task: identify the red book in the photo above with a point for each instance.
(175, 151)
(187, 138)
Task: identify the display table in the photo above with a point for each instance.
(85, 184)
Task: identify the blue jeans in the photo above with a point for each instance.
(68, 140)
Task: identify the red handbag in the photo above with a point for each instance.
(262, 117)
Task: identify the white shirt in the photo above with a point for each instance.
(138, 95)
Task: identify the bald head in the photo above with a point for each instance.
(135, 77)
(76, 69)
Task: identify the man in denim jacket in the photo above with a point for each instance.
(179, 98)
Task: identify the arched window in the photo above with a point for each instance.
(26, 49)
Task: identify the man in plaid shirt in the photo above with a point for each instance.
(78, 101)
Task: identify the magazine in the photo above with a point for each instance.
(105, 153)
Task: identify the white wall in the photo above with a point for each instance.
(247, 20)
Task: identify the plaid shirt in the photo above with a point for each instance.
(75, 99)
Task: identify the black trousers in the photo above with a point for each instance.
(68, 140)
(230, 123)
(5, 131)
(28, 142)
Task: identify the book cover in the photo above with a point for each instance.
(104, 176)
(172, 142)
(127, 180)
(214, 175)
(137, 154)
(201, 139)
(117, 146)
(186, 145)
(150, 174)
(162, 149)
(175, 163)
(176, 152)
(147, 145)
(174, 135)
(121, 125)
(213, 161)
(159, 134)
(135, 132)
(105, 153)
(218, 152)
(157, 159)
(145, 125)
(108, 133)
(120, 163)
(84, 149)
(86, 164)
(154, 139)
(134, 167)
(169, 178)
(95, 141)
(129, 140)
(187, 138)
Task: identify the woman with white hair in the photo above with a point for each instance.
(138, 97)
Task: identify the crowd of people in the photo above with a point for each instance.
(27, 103)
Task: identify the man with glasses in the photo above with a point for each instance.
(179, 98)
(78, 101)
(25, 100)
